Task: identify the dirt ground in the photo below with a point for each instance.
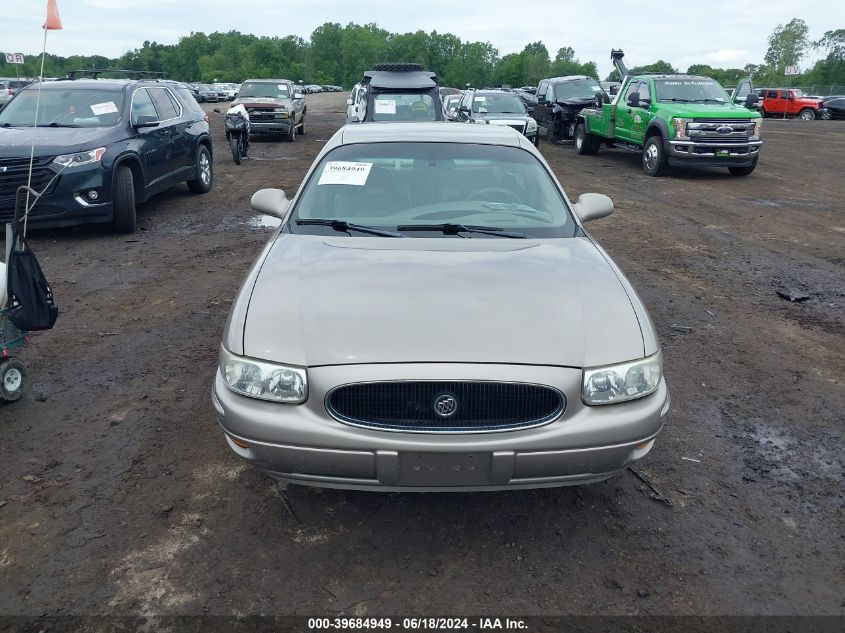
(119, 495)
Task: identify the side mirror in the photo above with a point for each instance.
(751, 101)
(270, 202)
(464, 109)
(217, 110)
(297, 95)
(349, 102)
(634, 100)
(146, 120)
(530, 110)
(592, 206)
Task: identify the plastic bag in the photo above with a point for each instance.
(31, 305)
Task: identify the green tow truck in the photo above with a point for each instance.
(673, 119)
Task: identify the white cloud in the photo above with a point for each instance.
(727, 56)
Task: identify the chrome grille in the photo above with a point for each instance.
(707, 130)
(261, 114)
(14, 173)
(411, 406)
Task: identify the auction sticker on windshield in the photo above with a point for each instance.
(104, 108)
(345, 173)
(385, 106)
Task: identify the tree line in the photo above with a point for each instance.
(338, 55)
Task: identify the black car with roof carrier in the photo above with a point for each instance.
(398, 92)
(101, 146)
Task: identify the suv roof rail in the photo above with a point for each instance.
(94, 73)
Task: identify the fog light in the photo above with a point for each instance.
(93, 195)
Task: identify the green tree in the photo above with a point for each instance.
(787, 45)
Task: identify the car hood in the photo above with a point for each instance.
(493, 117)
(263, 102)
(15, 142)
(327, 301)
(576, 101)
(708, 111)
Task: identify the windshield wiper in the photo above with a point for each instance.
(676, 100)
(455, 229)
(343, 226)
(54, 124)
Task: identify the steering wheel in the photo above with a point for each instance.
(479, 193)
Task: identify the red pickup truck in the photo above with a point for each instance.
(774, 102)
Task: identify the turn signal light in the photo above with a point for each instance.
(238, 442)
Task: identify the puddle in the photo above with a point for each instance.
(263, 222)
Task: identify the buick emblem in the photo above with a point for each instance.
(725, 129)
(445, 405)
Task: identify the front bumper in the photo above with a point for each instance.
(683, 153)
(303, 444)
(67, 202)
(277, 126)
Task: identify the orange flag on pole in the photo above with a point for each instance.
(54, 22)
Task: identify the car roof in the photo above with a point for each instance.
(566, 78)
(433, 132)
(401, 80)
(93, 84)
(493, 91)
(670, 76)
(267, 81)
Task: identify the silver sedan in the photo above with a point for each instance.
(432, 315)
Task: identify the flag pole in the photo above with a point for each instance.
(34, 130)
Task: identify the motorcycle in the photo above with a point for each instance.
(236, 121)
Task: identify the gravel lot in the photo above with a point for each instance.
(119, 495)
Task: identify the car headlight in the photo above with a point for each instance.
(262, 380)
(680, 126)
(532, 125)
(758, 128)
(81, 158)
(625, 381)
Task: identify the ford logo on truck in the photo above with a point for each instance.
(725, 129)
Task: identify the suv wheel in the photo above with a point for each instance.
(302, 125)
(291, 137)
(654, 156)
(807, 114)
(123, 205)
(551, 132)
(585, 143)
(203, 179)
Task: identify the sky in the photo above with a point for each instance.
(721, 33)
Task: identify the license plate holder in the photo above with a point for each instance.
(444, 469)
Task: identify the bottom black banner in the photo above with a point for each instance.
(525, 624)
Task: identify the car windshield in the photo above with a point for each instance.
(387, 185)
(690, 90)
(497, 104)
(403, 107)
(577, 89)
(266, 90)
(66, 107)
